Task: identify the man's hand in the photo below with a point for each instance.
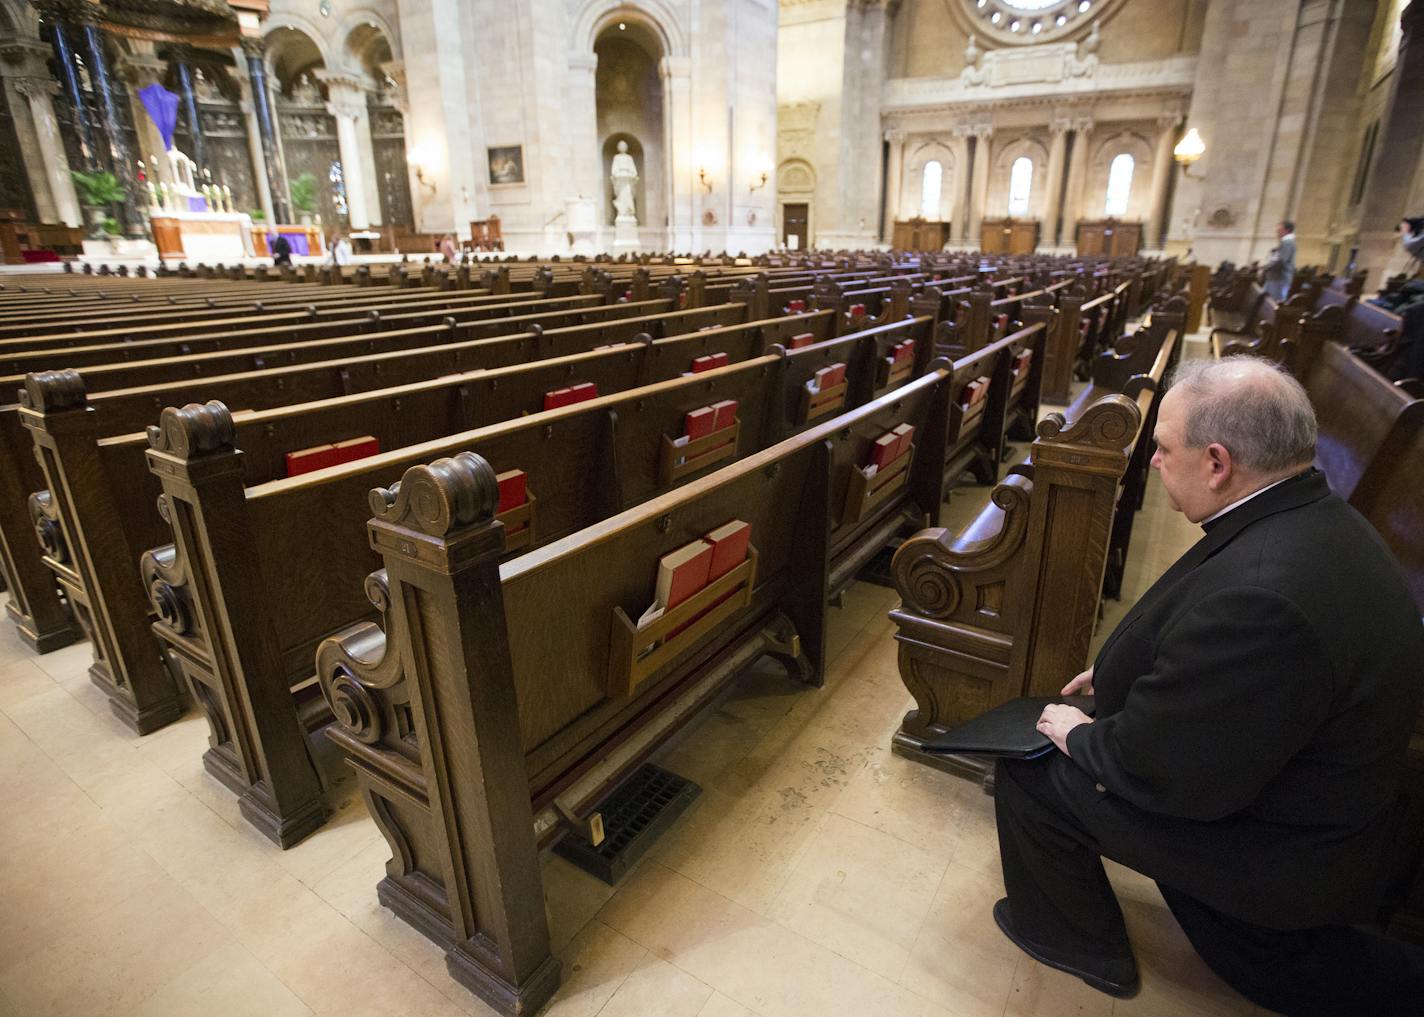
(1058, 719)
(1080, 686)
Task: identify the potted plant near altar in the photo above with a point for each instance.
(98, 192)
(303, 191)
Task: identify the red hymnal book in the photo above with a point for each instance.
(351, 449)
(905, 433)
(682, 573)
(795, 306)
(699, 423)
(512, 489)
(305, 460)
(583, 392)
(804, 339)
(972, 393)
(882, 452)
(1003, 321)
(708, 362)
(904, 350)
(729, 547)
(1022, 361)
(857, 310)
(825, 378)
(726, 413)
(558, 397)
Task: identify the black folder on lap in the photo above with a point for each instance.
(1006, 730)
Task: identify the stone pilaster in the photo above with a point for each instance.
(1077, 179)
(346, 102)
(979, 191)
(1053, 195)
(30, 91)
(1168, 127)
(894, 181)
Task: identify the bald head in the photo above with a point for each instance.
(1251, 407)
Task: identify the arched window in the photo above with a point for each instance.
(1119, 185)
(1020, 185)
(930, 190)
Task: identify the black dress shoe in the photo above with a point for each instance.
(1115, 977)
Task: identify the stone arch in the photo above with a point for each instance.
(1035, 150)
(1126, 141)
(795, 176)
(917, 155)
(350, 28)
(280, 35)
(595, 17)
(21, 19)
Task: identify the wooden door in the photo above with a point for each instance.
(795, 222)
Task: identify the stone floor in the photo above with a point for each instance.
(818, 874)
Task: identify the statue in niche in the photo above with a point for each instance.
(305, 92)
(624, 174)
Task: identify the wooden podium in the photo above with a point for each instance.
(1008, 236)
(919, 235)
(1110, 238)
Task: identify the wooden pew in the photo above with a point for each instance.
(228, 633)
(571, 714)
(1037, 554)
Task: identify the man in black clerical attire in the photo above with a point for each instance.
(1252, 711)
(281, 251)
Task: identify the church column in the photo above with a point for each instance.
(119, 155)
(893, 183)
(1058, 129)
(140, 72)
(1397, 153)
(270, 171)
(677, 104)
(1162, 165)
(183, 62)
(1077, 180)
(979, 195)
(346, 101)
(957, 217)
(63, 33)
(41, 147)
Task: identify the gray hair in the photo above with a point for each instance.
(1252, 407)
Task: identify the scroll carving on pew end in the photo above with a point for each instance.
(1006, 607)
(194, 430)
(366, 656)
(45, 516)
(53, 391)
(436, 498)
(165, 575)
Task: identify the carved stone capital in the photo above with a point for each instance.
(34, 88)
(1059, 126)
(196, 429)
(1083, 125)
(253, 46)
(438, 498)
(894, 135)
(53, 391)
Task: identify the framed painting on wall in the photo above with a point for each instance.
(506, 165)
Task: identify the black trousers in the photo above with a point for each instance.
(1060, 897)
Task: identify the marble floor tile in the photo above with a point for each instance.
(230, 982)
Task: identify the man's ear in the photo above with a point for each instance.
(1219, 461)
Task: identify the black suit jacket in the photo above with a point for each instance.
(1263, 692)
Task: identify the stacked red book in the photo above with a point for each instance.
(568, 396)
(708, 362)
(857, 310)
(513, 490)
(974, 392)
(705, 420)
(694, 566)
(804, 339)
(902, 351)
(891, 445)
(319, 457)
(795, 306)
(1003, 321)
(827, 377)
(1022, 361)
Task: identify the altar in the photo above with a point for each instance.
(205, 236)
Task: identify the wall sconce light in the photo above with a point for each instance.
(420, 178)
(1189, 150)
(702, 179)
(761, 182)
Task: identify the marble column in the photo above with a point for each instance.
(1162, 164)
(259, 169)
(30, 88)
(677, 104)
(119, 154)
(346, 102)
(1053, 185)
(270, 171)
(960, 182)
(893, 183)
(64, 34)
(183, 63)
(140, 72)
(979, 193)
(1398, 150)
(867, 41)
(1077, 180)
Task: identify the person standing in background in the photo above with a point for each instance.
(1280, 266)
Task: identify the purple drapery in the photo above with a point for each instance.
(162, 106)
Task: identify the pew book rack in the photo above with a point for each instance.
(866, 489)
(678, 461)
(817, 404)
(635, 654)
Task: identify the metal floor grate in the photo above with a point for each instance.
(635, 814)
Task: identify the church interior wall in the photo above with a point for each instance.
(630, 107)
(809, 68)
